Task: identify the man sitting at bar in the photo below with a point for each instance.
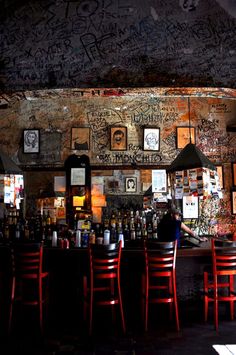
(170, 226)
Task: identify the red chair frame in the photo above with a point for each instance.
(220, 278)
(27, 278)
(160, 275)
(104, 275)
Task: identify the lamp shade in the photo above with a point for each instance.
(190, 158)
(7, 165)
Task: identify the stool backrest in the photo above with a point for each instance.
(160, 256)
(224, 257)
(105, 260)
(27, 259)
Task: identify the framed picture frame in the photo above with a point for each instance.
(190, 207)
(31, 141)
(234, 173)
(118, 138)
(183, 135)
(130, 184)
(233, 201)
(80, 138)
(220, 173)
(159, 180)
(151, 138)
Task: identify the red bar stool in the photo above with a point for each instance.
(219, 281)
(159, 279)
(104, 285)
(28, 285)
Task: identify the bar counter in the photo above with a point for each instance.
(67, 267)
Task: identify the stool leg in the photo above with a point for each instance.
(206, 290)
(121, 308)
(13, 288)
(231, 283)
(176, 304)
(40, 306)
(146, 303)
(91, 308)
(216, 316)
(85, 297)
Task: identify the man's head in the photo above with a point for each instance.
(118, 136)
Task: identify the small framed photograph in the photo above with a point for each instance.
(234, 173)
(31, 140)
(118, 138)
(130, 184)
(233, 201)
(190, 207)
(220, 173)
(151, 138)
(183, 135)
(80, 138)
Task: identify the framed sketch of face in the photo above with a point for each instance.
(151, 138)
(118, 138)
(31, 143)
(130, 184)
(183, 136)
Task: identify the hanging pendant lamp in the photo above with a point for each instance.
(191, 156)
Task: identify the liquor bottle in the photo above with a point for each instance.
(48, 220)
(26, 230)
(149, 231)
(113, 235)
(106, 222)
(138, 231)
(125, 220)
(126, 233)
(143, 220)
(106, 236)
(132, 232)
(154, 234)
(6, 232)
(17, 231)
(44, 219)
(137, 218)
(119, 220)
(113, 220)
(92, 237)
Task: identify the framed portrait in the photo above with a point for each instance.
(118, 138)
(31, 141)
(159, 180)
(233, 201)
(190, 207)
(234, 173)
(151, 138)
(183, 135)
(130, 184)
(80, 138)
(220, 173)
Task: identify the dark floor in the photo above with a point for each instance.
(195, 337)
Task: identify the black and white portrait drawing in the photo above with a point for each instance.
(151, 139)
(31, 141)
